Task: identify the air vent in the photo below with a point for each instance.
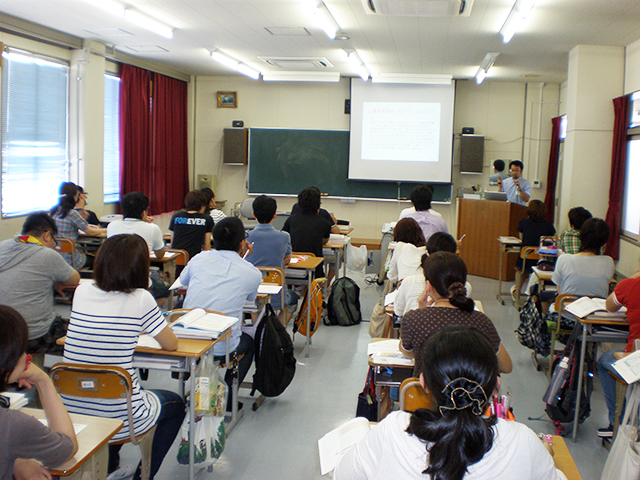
(145, 48)
(419, 8)
(297, 63)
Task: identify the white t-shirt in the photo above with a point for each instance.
(406, 260)
(149, 231)
(388, 452)
(407, 211)
(103, 330)
(410, 290)
(583, 274)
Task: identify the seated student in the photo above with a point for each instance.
(586, 273)
(223, 281)
(69, 221)
(30, 270)
(107, 318)
(531, 229)
(430, 223)
(24, 439)
(135, 210)
(308, 230)
(446, 274)
(271, 248)
(406, 211)
(210, 208)
(322, 212)
(498, 172)
(457, 440)
(626, 294)
(88, 215)
(570, 239)
(408, 252)
(413, 286)
(191, 227)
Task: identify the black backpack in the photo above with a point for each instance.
(344, 303)
(275, 363)
(561, 394)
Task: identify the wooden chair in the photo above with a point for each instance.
(66, 245)
(413, 396)
(526, 253)
(275, 276)
(104, 382)
(555, 327)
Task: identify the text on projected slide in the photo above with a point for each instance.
(401, 131)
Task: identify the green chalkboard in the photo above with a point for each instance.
(284, 161)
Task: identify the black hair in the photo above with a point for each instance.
(499, 165)
(38, 223)
(460, 369)
(264, 208)
(594, 235)
(209, 195)
(122, 264)
(447, 274)
(14, 340)
(228, 234)
(421, 197)
(66, 200)
(577, 217)
(195, 200)
(537, 211)
(309, 200)
(408, 230)
(516, 163)
(441, 242)
(133, 204)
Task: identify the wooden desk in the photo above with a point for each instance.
(92, 456)
(382, 378)
(337, 247)
(588, 335)
(563, 459)
(506, 245)
(309, 264)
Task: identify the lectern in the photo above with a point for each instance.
(483, 221)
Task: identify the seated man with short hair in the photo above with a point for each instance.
(191, 227)
(429, 222)
(221, 280)
(30, 269)
(271, 248)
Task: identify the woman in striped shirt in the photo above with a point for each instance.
(107, 318)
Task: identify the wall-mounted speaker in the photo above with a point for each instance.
(471, 153)
(235, 146)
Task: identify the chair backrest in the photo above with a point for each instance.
(562, 300)
(529, 253)
(413, 396)
(107, 382)
(246, 208)
(65, 245)
(182, 257)
(275, 276)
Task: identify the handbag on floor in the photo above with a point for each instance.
(623, 462)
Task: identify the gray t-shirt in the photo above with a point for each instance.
(27, 274)
(583, 275)
(22, 436)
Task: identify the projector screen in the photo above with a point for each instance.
(401, 132)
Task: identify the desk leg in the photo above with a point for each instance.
(583, 349)
(499, 295)
(235, 415)
(309, 276)
(192, 414)
(344, 259)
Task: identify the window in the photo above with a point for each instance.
(111, 163)
(34, 132)
(631, 200)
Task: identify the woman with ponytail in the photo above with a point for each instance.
(457, 440)
(446, 275)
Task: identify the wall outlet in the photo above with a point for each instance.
(535, 184)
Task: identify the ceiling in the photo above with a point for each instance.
(452, 45)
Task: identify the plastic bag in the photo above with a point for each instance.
(210, 439)
(623, 462)
(211, 389)
(356, 257)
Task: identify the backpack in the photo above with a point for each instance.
(560, 396)
(300, 325)
(532, 332)
(275, 363)
(344, 303)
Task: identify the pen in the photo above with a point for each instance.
(462, 237)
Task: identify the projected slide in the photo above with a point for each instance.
(401, 132)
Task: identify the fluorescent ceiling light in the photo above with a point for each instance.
(234, 64)
(331, 77)
(518, 13)
(326, 21)
(149, 23)
(415, 78)
(486, 64)
(357, 62)
(111, 6)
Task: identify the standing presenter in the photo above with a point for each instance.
(518, 189)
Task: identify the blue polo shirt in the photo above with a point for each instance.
(269, 246)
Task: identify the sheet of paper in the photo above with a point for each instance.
(269, 289)
(77, 427)
(335, 444)
(390, 299)
(177, 284)
(629, 367)
(384, 346)
(148, 341)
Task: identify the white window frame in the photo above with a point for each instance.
(111, 158)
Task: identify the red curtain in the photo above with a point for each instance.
(153, 138)
(552, 172)
(618, 172)
(170, 155)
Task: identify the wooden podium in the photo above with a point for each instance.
(483, 221)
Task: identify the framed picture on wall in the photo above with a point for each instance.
(227, 99)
